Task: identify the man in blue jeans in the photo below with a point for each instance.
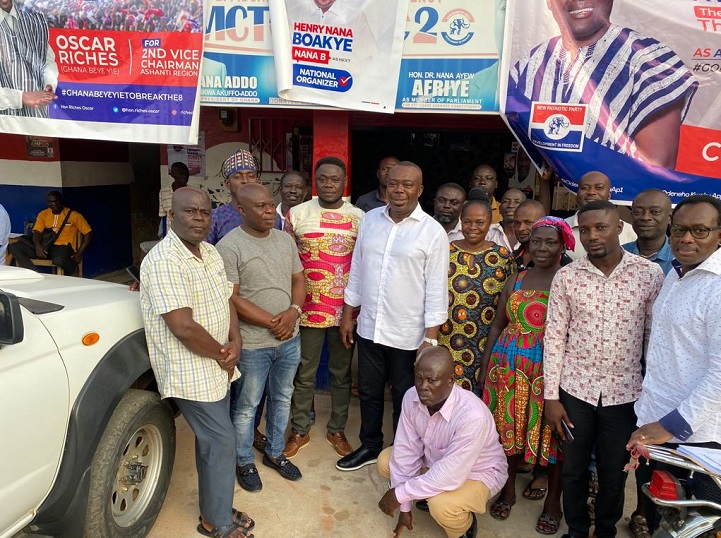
(263, 265)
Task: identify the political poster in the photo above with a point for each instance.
(451, 56)
(101, 69)
(238, 67)
(620, 86)
(191, 156)
(342, 53)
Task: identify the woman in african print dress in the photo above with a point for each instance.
(514, 361)
(477, 273)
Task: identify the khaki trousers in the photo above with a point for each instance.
(451, 509)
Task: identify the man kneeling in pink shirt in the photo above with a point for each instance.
(446, 450)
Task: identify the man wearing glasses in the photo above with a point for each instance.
(680, 399)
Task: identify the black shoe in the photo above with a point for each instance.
(471, 532)
(284, 467)
(422, 505)
(248, 477)
(359, 458)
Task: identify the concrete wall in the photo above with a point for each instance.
(94, 178)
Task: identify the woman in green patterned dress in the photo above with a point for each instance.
(514, 361)
(476, 275)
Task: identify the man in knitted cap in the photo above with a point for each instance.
(238, 169)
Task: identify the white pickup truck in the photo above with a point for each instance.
(87, 446)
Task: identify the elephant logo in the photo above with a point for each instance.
(556, 124)
(457, 25)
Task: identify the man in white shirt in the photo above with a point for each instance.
(4, 233)
(399, 278)
(594, 186)
(28, 72)
(447, 205)
(503, 233)
(680, 399)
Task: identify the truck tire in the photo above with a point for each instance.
(131, 468)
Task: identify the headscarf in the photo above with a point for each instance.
(561, 226)
(237, 162)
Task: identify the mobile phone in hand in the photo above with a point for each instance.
(567, 431)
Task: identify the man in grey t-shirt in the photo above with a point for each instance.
(263, 265)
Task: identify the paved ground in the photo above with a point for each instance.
(325, 502)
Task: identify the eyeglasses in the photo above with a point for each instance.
(697, 232)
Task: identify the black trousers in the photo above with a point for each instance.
(608, 428)
(378, 364)
(60, 255)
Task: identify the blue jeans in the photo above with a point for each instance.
(274, 368)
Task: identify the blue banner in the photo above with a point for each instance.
(449, 64)
(585, 89)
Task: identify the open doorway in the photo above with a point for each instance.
(443, 155)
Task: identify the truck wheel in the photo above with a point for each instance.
(131, 468)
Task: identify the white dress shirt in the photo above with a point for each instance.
(4, 232)
(682, 387)
(279, 211)
(399, 278)
(13, 99)
(455, 234)
(627, 236)
(497, 235)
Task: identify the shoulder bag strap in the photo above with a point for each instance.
(65, 221)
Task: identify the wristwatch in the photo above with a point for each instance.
(431, 341)
(297, 309)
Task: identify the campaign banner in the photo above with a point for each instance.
(102, 69)
(238, 67)
(342, 53)
(620, 86)
(451, 56)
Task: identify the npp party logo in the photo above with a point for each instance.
(557, 127)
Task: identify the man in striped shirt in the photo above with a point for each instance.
(28, 72)
(637, 90)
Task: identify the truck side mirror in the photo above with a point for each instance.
(11, 320)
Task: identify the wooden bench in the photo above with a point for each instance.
(39, 262)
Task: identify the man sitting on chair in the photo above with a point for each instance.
(63, 251)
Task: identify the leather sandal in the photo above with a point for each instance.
(243, 520)
(501, 510)
(226, 531)
(547, 524)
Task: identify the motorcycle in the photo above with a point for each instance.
(691, 507)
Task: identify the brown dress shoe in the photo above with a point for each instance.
(259, 441)
(340, 443)
(295, 442)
